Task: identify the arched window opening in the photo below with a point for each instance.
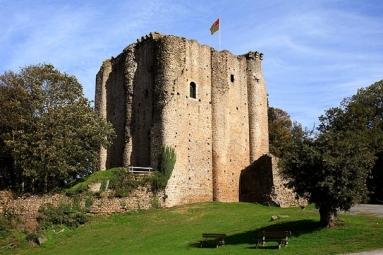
(193, 90)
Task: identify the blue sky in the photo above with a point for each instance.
(316, 52)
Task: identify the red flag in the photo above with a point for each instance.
(215, 27)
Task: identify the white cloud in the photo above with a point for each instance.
(316, 52)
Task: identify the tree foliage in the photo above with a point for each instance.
(362, 116)
(48, 131)
(282, 131)
(331, 167)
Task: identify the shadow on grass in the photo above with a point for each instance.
(208, 245)
(274, 247)
(297, 228)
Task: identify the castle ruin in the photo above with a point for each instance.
(210, 106)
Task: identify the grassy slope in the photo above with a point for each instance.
(178, 230)
(99, 176)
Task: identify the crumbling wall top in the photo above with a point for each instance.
(155, 36)
(254, 55)
(150, 36)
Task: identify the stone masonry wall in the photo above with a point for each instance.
(124, 95)
(26, 207)
(130, 69)
(115, 110)
(262, 182)
(257, 99)
(142, 104)
(100, 104)
(215, 135)
(230, 124)
(187, 121)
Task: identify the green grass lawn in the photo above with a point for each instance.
(178, 231)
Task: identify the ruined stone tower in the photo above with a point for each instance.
(210, 106)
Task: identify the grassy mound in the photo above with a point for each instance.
(100, 176)
(121, 181)
(178, 231)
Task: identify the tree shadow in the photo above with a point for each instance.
(208, 245)
(274, 247)
(297, 228)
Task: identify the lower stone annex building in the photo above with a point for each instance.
(210, 106)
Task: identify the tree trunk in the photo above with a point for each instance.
(327, 217)
(33, 185)
(22, 186)
(46, 183)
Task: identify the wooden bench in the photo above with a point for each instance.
(281, 237)
(216, 239)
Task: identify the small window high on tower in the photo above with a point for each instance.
(193, 90)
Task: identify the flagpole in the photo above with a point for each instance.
(216, 26)
(219, 34)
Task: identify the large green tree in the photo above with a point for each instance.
(49, 133)
(362, 114)
(282, 131)
(329, 170)
(331, 167)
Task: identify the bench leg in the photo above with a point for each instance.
(260, 243)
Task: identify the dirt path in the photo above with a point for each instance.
(376, 210)
(376, 252)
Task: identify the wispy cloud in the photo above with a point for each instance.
(75, 38)
(317, 55)
(316, 52)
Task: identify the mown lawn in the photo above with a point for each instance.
(178, 231)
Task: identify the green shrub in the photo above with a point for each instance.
(32, 237)
(88, 202)
(126, 183)
(104, 187)
(154, 202)
(4, 226)
(70, 215)
(8, 221)
(167, 161)
(160, 179)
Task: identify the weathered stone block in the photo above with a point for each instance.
(262, 182)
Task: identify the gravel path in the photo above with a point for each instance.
(376, 210)
(367, 209)
(376, 252)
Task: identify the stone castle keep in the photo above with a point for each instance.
(210, 106)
